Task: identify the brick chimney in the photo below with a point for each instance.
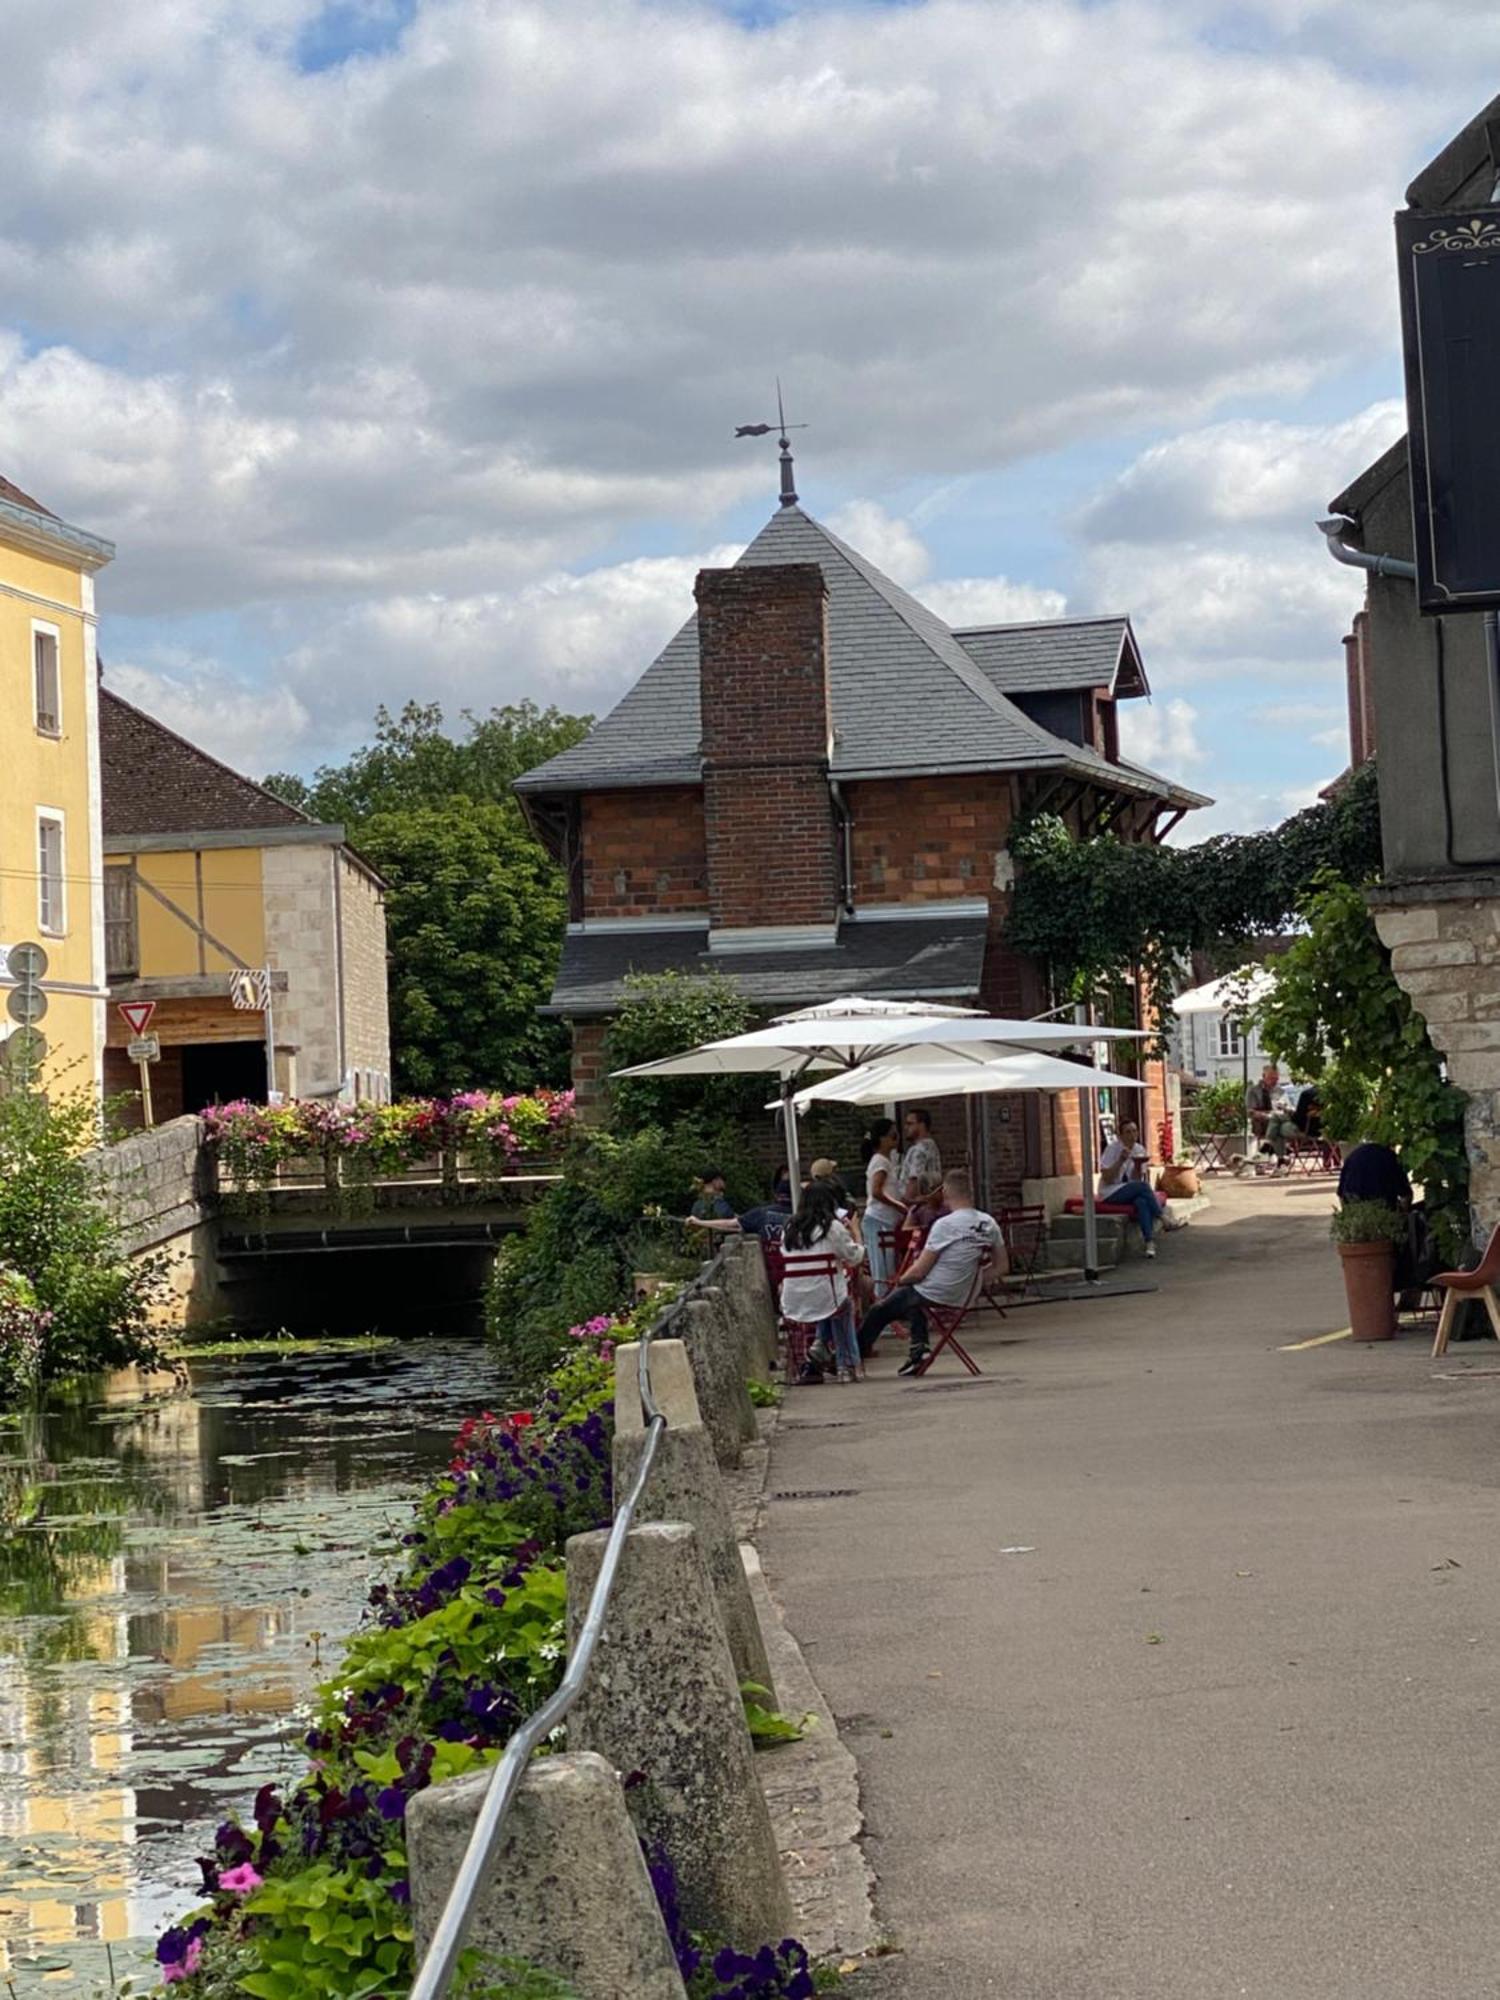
(1361, 692)
(763, 674)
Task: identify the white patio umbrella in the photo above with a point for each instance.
(795, 1048)
(901, 1077)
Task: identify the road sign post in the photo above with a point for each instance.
(26, 1004)
(143, 1048)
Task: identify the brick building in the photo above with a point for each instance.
(207, 875)
(811, 790)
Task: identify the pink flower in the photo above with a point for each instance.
(240, 1881)
(191, 1959)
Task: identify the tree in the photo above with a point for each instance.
(476, 906)
(412, 762)
(475, 912)
(664, 1013)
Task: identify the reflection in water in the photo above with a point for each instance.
(174, 1570)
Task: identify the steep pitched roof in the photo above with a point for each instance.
(12, 493)
(154, 781)
(1055, 655)
(906, 696)
(1463, 171)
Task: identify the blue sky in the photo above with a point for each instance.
(399, 343)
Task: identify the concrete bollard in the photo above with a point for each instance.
(685, 1485)
(568, 1891)
(663, 1700)
(718, 1377)
(748, 1287)
(739, 1328)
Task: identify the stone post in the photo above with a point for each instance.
(685, 1485)
(568, 1891)
(751, 1298)
(718, 1377)
(663, 1699)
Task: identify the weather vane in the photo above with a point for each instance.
(788, 484)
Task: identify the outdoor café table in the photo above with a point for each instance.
(1211, 1151)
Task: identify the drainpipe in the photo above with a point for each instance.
(1336, 528)
(846, 825)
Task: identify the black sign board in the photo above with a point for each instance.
(1450, 325)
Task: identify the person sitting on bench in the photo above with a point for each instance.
(959, 1243)
(1123, 1183)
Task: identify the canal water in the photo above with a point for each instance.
(176, 1570)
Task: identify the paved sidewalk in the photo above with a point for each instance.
(1232, 1725)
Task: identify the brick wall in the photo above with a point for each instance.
(1361, 694)
(928, 840)
(644, 852)
(588, 1067)
(763, 668)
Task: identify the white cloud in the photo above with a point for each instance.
(1163, 735)
(991, 600)
(893, 545)
(247, 725)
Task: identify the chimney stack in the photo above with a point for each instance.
(767, 737)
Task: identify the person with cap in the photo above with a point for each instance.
(712, 1200)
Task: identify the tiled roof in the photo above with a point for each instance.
(906, 695)
(1056, 655)
(12, 494)
(939, 956)
(154, 781)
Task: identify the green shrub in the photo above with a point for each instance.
(58, 1234)
(664, 1014)
(1219, 1107)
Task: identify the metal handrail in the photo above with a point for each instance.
(436, 1969)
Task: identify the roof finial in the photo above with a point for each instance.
(788, 478)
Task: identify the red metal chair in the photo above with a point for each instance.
(798, 1333)
(944, 1322)
(1476, 1284)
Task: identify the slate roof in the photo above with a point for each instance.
(154, 781)
(1391, 464)
(1057, 654)
(907, 698)
(1463, 171)
(922, 957)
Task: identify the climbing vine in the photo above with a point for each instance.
(1095, 911)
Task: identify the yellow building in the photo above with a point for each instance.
(51, 858)
(216, 892)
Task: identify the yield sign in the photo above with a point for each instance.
(137, 1015)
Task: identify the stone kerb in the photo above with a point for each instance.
(685, 1485)
(719, 1376)
(663, 1699)
(568, 1890)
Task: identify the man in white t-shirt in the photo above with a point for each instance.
(962, 1242)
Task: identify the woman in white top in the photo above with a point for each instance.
(884, 1208)
(812, 1293)
(1122, 1181)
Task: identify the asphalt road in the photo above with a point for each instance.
(1169, 1657)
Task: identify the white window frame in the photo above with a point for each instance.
(1230, 1044)
(55, 816)
(41, 630)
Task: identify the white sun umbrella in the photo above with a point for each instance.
(862, 1004)
(794, 1049)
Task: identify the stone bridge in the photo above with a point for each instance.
(410, 1254)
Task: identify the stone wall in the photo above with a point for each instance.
(1444, 940)
(300, 941)
(367, 1021)
(157, 1185)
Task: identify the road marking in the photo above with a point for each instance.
(1318, 1340)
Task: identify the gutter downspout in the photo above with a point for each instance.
(846, 825)
(1334, 531)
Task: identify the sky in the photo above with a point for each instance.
(399, 344)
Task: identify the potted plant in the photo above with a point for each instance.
(1367, 1233)
(1178, 1180)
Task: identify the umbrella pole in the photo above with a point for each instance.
(793, 1146)
(1245, 1094)
(1090, 1217)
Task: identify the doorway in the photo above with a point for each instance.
(219, 1072)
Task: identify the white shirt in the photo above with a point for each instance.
(963, 1239)
(891, 1167)
(808, 1294)
(1118, 1164)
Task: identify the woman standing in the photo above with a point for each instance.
(814, 1294)
(884, 1208)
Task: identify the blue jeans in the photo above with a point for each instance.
(836, 1335)
(1136, 1195)
(879, 1260)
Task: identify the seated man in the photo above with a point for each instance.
(1268, 1121)
(712, 1202)
(962, 1242)
(766, 1221)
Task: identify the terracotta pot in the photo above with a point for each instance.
(1179, 1183)
(1369, 1286)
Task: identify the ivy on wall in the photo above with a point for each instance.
(1094, 911)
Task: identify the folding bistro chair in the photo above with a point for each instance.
(798, 1333)
(1023, 1230)
(944, 1322)
(1476, 1284)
